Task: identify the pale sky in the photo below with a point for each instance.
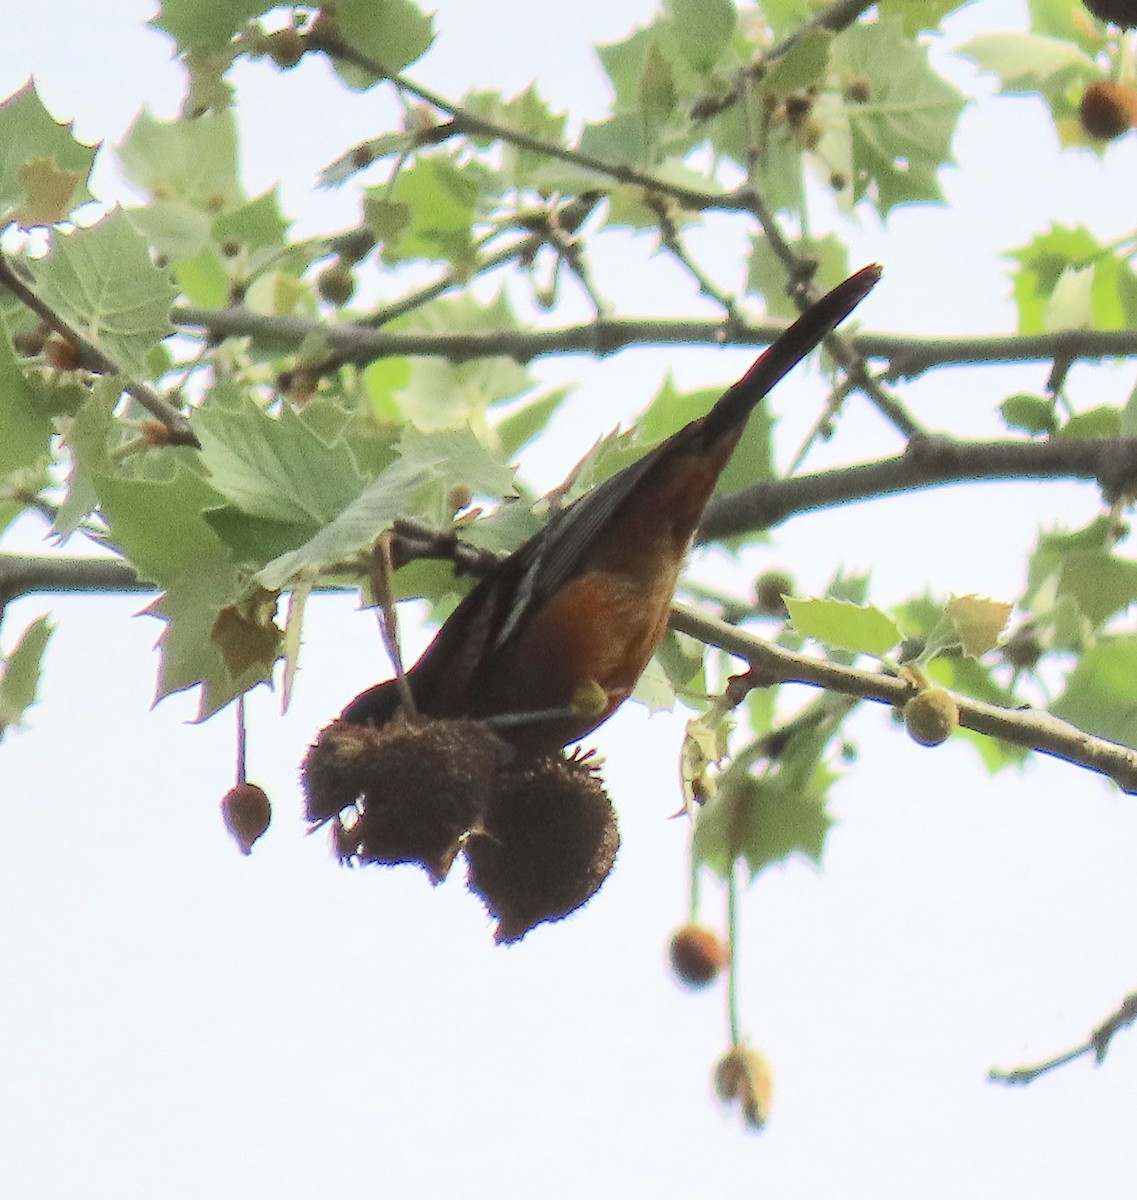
(178, 1021)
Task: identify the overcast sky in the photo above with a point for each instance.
(178, 1021)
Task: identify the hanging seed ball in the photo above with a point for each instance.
(1108, 109)
(546, 843)
(697, 955)
(246, 811)
(418, 786)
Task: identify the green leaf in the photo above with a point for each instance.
(1070, 305)
(29, 135)
(1101, 583)
(395, 33)
(702, 28)
(804, 63)
(903, 134)
(188, 654)
(257, 225)
(464, 458)
(1030, 414)
(26, 425)
(194, 23)
(394, 493)
(160, 526)
(1066, 257)
(1029, 62)
(860, 629)
(430, 211)
(102, 281)
(522, 426)
(275, 468)
(194, 162)
(172, 228)
(1068, 22)
(656, 87)
(1101, 691)
(19, 681)
(767, 275)
(920, 15)
(769, 819)
(978, 621)
(1103, 422)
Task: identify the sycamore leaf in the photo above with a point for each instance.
(19, 679)
(29, 135)
(275, 468)
(860, 629)
(392, 494)
(101, 279)
(903, 135)
(1028, 413)
(194, 162)
(702, 29)
(195, 25)
(766, 273)
(804, 63)
(978, 621)
(465, 458)
(1029, 62)
(395, 33)
(26, 426)
(1101, 691)
(763, 822)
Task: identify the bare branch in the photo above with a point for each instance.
(907, 355)
(926, 462)
(1096, 1044)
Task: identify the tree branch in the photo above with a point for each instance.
(907, 355)
(926, 462)
(94, 359)
(1033, 730)
(1096, 1044)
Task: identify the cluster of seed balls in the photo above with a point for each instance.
(538, 834)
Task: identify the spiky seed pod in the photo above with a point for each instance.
(931, 716)
(1108, 109)
(418, 786)
(1119, 12)
(247, 812)
(336, 284)
(770, 588)
(334, 773)
(547, 842)
(697, 955)
(743, 1075)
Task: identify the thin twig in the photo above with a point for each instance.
(908, 355)
(92, 358)
(1033, 730)
(1096, 1044)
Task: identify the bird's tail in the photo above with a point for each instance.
(807, 332)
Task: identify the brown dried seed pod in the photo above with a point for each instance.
(1108, 109)
(246, 811)
(546, 843)
(697, 955)
(418, 786)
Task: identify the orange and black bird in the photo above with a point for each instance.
(581, 607)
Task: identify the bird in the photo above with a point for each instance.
(553, 639)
